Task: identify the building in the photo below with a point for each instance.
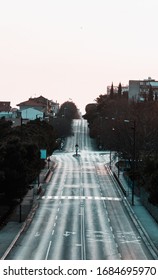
(43, 105)
(31, 114)
(31, 103)
(139, 89)
(5, 109)
(54, 108)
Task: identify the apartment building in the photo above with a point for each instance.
(139, 89)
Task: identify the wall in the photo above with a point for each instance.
(134, 87)
(31, 114)
(153, 210)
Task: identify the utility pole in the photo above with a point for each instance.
(133, 156)
(134, 159)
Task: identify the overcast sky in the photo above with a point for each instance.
(73, 49)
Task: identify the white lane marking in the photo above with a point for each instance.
(50, 243)
(53, 232)
(56, 217)
(104, 204)
(83, 249)
(54, 224)
(67, 233)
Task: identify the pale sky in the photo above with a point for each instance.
(73, 49)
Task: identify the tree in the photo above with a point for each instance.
(107, 124)
(150, 176)
(112, 91)
(13, 166)
(20, 161)
(62, 127)
(151, 94)
(119, 90)
(5, 128)
(68, 110)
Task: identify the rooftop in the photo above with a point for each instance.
(31, 102)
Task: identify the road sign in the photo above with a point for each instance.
(43, 154)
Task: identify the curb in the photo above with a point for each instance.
(144, 235)
(49, 173)
(146, 238)
(13, 242)
(25, 225)
(30, 216)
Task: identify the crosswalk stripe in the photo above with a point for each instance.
(82, 197)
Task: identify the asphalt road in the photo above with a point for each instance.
(82, 215)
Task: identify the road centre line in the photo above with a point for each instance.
(50, 243)
(83, 249)
(104, 204)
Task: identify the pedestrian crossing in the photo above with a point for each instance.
(59, 197)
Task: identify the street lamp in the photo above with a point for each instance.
(134, 156)
(113, 129)
(112, 119)
(133, 153)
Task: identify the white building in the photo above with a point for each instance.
(31, 114)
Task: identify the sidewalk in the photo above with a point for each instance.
(12, 230)
(145, 219)
(148, 222)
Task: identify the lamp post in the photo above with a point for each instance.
(133, 153)
(20, 214)
(134, 156)
(113, 129)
